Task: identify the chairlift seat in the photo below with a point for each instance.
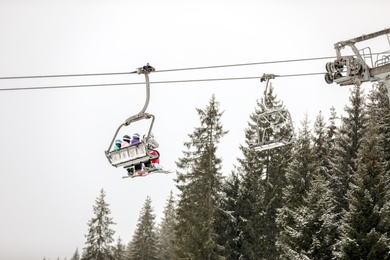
(272, 122)
(130, 155)
(262, 146)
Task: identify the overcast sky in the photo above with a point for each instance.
(52, 162)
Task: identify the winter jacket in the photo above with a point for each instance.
(152, 143)
(125, 144)
(135, 141)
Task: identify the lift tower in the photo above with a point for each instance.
(361, 67)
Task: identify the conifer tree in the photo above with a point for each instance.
(319, 220)
(144, 242)
(347, 143)
(323, 152)
(379, 107)
(119, 251)
(228, 218)
(322, 144)
(299, 175)
(311, 231)
(365, 226)
(331, 132)
(326, 158)
(76, 255)
(166, 232)
(199, 183)
(100, 234)
(263, 176)
(129, 249)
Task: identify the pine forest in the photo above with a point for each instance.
(326, 195)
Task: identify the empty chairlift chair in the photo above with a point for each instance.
(274, 125)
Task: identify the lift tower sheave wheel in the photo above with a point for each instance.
(274, 125)
(354, 70)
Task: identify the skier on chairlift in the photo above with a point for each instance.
(126, 141)
(118, 144)
(152, 145)
(135, 140)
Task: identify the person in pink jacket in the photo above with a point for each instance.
(126, 141)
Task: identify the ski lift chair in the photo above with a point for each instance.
(274, 125)
(136, 154)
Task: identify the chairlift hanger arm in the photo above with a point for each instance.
(142, 115)
(146, 70)
(267, 78)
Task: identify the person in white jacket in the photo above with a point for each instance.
(152, 145)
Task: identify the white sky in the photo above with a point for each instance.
(52, 162)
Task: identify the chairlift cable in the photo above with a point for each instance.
(68, 75)
(166, 70)
(300, 75)
(156, 82)
(246, 64)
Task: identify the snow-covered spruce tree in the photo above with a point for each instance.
(323, 143)
(330, 134)
(365, 226)
(199, 182)
(323, 152)
(76, 255)
(262, 179)
(379, 107)
(312, 231)
(318, 226)
(347, 143)
(100, 234)
(228, 218)
(299, 176)
(119, 251)
(379, 110)
(144, 242)
(129, 249)
(166, 231)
